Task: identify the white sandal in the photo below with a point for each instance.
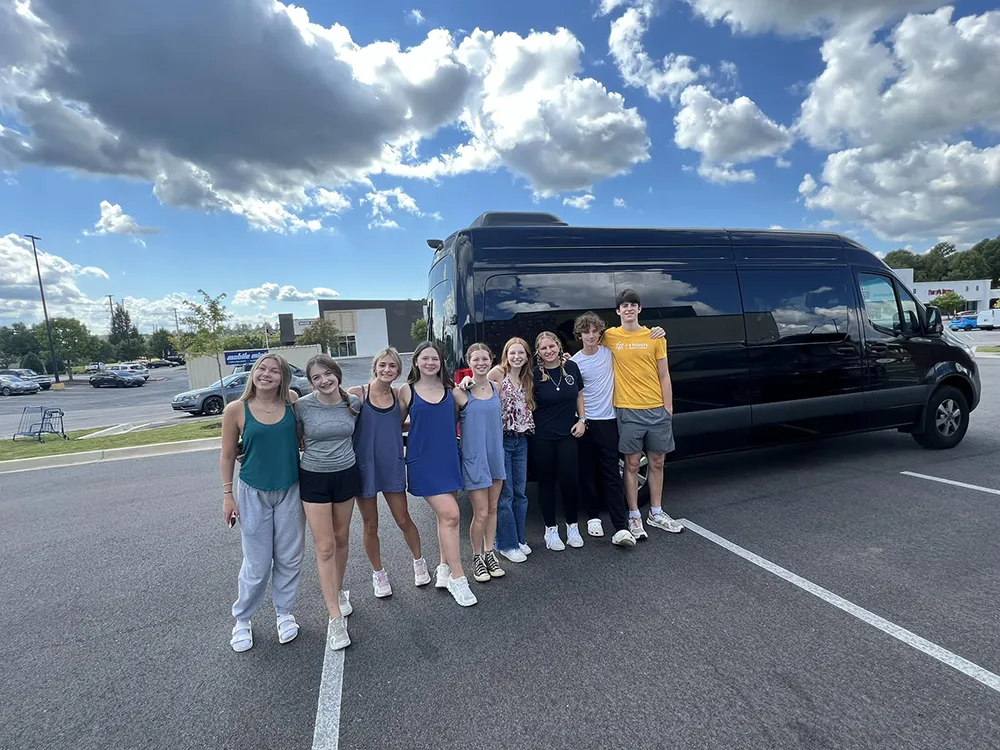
(288, 628)
(242, 639)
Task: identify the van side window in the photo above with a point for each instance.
(911, 312)
(441, 310)
(800, 306)
(882, 306)
(694, 307)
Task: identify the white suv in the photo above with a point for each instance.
(130, 367)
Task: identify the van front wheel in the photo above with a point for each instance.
(945, 420)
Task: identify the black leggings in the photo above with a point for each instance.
(555, 462)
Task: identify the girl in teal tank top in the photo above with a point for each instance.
(265, 499)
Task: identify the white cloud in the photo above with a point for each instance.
(943, 191)
(726, 134)
(115, 221)
(332, 202)
(305, 107)
(620, 203)
(416, 16)
(381, 207)
(579, 202)
(261, 296)
(808, 185)
(803, 16)
(776, 227)
(638, 70)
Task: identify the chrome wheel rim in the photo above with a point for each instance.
(948, 417)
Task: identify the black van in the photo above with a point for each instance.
(773, 336)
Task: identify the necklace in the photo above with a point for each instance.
(266, 410)
(559, 384)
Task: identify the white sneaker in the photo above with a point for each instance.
(573, 538)
(514, 555)
(638, 530)
(459, 588)
(421, 577)
(595, 527)
(524, 548)
(338, 638)
(380, 582)
(344, 600)
(623, 538)
(443, 576)
(552, 540)
(662, 521)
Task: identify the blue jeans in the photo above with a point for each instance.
(512, 508)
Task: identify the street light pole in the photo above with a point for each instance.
(45, 310)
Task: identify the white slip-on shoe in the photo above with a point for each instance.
(623, 538)
(288, 628)
(242, 639)
(595, 527)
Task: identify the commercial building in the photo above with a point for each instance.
(978, 293)
(366, 325)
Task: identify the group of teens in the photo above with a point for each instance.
(310, 459)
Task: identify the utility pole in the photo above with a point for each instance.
(45, 311)
(111, 310)
(177, 325)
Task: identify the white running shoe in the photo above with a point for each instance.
(623, 538)
(459, 588)
(514, 555)
(552, 540)
(638, 530)
(524, 548)
(573, 538)
(662, 521)
(339, 638)
(344, 600)
(421, 577)
(443, 576)
(380, 582)
(595, 527)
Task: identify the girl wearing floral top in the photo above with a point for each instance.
(517, 400)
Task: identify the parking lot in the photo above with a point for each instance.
(865, 616)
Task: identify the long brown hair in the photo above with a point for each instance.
(250, 390)
(443, 373)
(325, 360)
(527, 374)
(541, 365)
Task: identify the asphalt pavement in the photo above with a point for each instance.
(119, 579)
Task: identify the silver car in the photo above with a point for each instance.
(11, 385)
(213, 399)
(44, 381)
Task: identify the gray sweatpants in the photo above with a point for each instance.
(273, 528)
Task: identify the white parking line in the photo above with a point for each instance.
(326, 735)
(987, 678)
(951, 482)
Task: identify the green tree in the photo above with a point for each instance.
(324, 332)
(159, 343)
(31, 361)
(418, 331)
(208, 323)
(121, 325)
(130, 348)
(16, 341)
(949, 303)
(73, 342)
(103, 351)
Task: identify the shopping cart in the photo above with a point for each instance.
(40, 420)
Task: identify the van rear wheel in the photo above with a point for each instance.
(945, 420)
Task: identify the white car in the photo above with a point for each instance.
(130, 368)
(988, 319)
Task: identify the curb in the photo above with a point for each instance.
(987, 355)
(109, 454)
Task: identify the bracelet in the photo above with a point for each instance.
(226, 484)
(227, 492)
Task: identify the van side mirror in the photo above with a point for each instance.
(935, 324)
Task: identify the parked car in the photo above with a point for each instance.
(116, 378)
(157, 363)
(212, 399)
(300, 383)
(175, 359)
(44, 381)
(11, 385)
(94, 367)
(988, 319)
(129, 368)
(963, 323)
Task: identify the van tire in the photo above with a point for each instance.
(945, 420)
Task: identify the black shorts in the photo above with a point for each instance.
(329, 486)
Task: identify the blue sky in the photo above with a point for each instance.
(279, 153)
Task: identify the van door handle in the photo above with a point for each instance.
(846, 350)
(878, 348)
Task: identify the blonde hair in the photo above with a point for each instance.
(541, 365)
(392, 354)
(325, 360)
(250, 390)
(527, 374)
(477, 347)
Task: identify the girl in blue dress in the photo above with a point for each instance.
(433, 463)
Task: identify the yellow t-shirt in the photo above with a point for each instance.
(637, 379)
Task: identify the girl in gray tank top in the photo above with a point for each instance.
(378, 447)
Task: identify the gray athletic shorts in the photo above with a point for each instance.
(645, 430)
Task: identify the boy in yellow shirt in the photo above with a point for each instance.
(644, 403)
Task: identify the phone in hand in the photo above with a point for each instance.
(232, 522)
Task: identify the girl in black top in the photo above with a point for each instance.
(559, 420)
